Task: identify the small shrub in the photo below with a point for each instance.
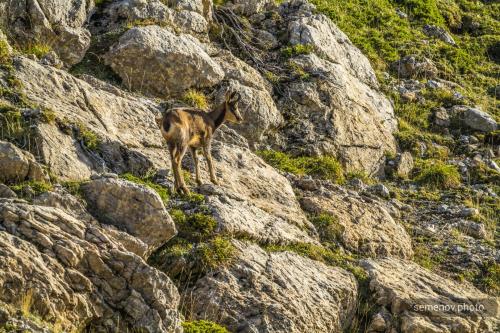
(438, 175)
(196, 99)
(146, 181)
(328, 227)
(298, 71)
(490, 280)
(33, 188)
(194, 227)
(5, 57)
(214, 253)
(48, 116)
(89, 138)
(203, 326)
(271, 77)
(38, 49)
(26, 303)
(298, 49)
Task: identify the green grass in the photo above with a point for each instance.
(35, 187)
(37, 49)
(437, 175)
(295, 50)
(324, 167)
(194, 227)
(148, 182)
(490, 280)
(5, 56)
(203, 326)
(196, 99)
(216, 252)
(328, 227)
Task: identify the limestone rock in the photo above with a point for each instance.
(132, 207)
(6, 192)
(412, 67)
(406, 289)
(78, 274)
(479, 120)
(275, 292)
(404, 164)
(123, 123)
(187, 16)
(368, 228)
(438, 32)
(251, 179)
(17, 165)
(156, 61)
(236, 216)
(57, 23)
(337, 114)
(328, 40)
(248, 7)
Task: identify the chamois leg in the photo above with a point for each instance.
(208, 155)
(196, 166)
(176, 155)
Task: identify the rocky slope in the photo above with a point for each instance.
(360, 194)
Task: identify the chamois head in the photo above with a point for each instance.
(231, 104)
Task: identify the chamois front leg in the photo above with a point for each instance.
(196, 166)
(208, 156)
(177, 153)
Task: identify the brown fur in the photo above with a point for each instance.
(192, 128)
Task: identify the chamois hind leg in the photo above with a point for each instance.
(208, 156)
(196, 166)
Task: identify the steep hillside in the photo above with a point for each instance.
(359, 194)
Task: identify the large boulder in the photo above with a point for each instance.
(17, 165)
(76, 274)
(337, 114)
(237, 216)
(366, 225)
(274, 292)
(479, 120)
(187, 16)
(256, 105)
(305, 27)
(57, 23)
(128, 137)
(135, 208)
(423, 301)
(156, 61)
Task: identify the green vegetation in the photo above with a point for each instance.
(195, 227)
(196, 99)
(384, 37)
(328, 227)
(37, 49)
(295, 50)
(87, 136)
(203, 326)
(423, 256)
(5, 57)
(31, 188)
(436, 174)
(490, 280)
(148, 182)
(325, 167)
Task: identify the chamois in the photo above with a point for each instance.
(193, 128)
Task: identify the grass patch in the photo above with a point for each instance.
(295, 50)
(31, 188)
(490, 280)
(203, 326)
(148, 182)
(195, 227)
(39, 50)
(437, 175)
(324, 167)
(328, 227)
(196, 99)
(5, 56)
